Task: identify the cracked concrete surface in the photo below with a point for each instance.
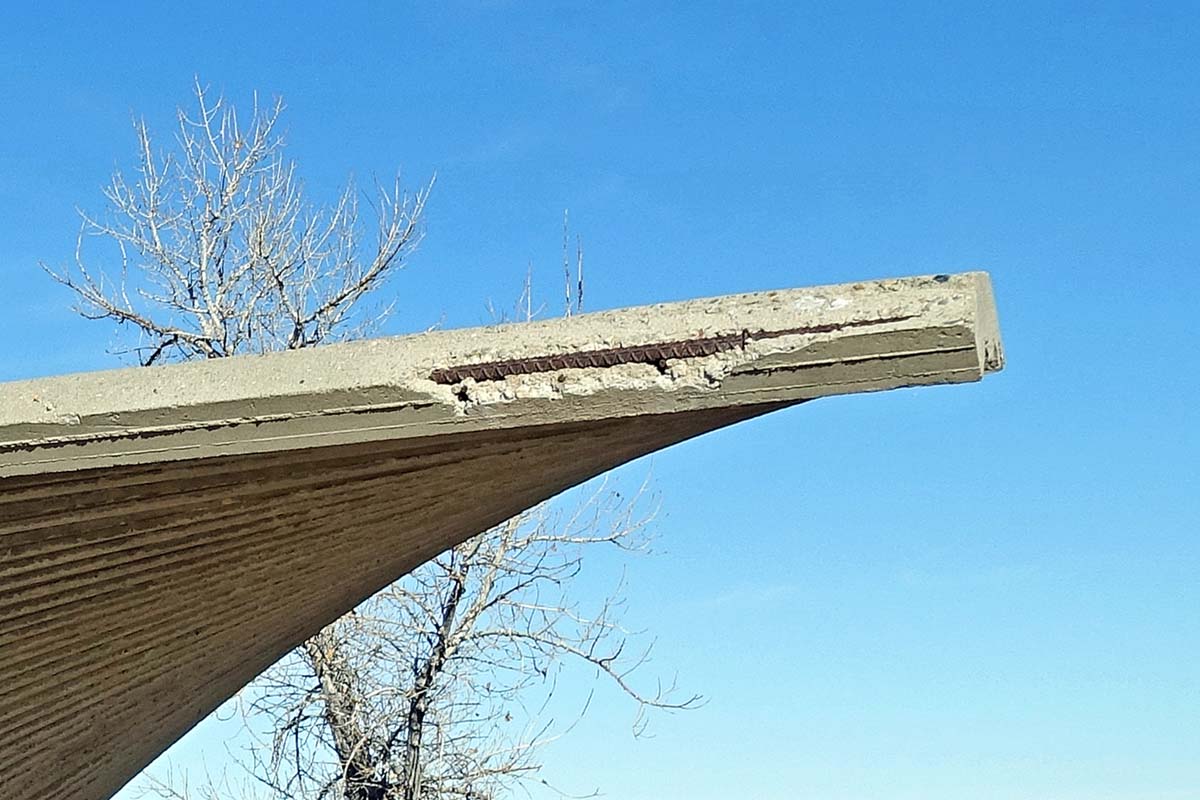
(166, 533)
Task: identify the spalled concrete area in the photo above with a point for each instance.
(167, 533)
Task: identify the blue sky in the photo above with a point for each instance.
(986, 591)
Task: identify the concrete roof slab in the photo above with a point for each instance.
(167, 533)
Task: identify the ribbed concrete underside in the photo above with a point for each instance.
(124, 589)
(167, 533)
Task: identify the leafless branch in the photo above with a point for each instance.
(211, 248)
(435, 671)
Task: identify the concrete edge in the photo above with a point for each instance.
(781, 346)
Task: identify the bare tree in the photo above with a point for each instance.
(421, 692)
(221, 254)
(418, 694)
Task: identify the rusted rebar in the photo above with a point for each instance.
(658, 353)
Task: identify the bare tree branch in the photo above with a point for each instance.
(219, 252)
(444, 660)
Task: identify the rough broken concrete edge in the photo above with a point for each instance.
(936, 329)
(991, 348)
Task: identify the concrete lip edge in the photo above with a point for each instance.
(696, 354)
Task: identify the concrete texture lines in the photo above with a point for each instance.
(167, 533)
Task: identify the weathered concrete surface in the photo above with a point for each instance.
(167, 533)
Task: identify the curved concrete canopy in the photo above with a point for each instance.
(168, 533)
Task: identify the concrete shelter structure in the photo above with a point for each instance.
(167, 533)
